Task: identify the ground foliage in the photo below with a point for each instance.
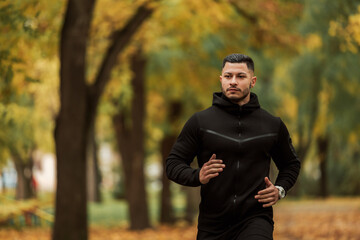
(306, 219)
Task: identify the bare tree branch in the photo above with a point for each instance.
(121, 39)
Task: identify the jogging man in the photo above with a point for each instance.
(234, 141)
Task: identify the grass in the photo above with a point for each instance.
(113, 212)
(110, 212)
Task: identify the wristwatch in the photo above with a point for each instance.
(281, 192)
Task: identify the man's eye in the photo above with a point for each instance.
(227, 76)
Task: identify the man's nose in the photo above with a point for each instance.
(233, 80)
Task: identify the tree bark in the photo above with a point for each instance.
(130, 134)
(24, 170)
(93, 169)
(192, 203)
(174, 110)
(72, 125)
(355, 159)
(192, 200)
(323, 146)
(166, 210)
(77, 113)
(301, 150)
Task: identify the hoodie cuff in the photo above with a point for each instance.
(197, 177)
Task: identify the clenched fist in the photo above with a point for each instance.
(269, 196)
(211, 169)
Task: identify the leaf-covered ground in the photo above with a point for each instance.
(294, 220)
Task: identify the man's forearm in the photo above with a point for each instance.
(181, 173)
(288, 175)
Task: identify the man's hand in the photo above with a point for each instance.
(269, 196)
(210, 169)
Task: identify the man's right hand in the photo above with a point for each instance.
(211, 169)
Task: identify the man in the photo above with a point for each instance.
(234, 141)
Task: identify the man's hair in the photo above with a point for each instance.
(240, 58)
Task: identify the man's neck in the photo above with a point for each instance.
(242, 101)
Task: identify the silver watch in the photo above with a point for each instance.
(281, 192)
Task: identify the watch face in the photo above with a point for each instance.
(281, 192)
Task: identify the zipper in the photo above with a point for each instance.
(236, 189)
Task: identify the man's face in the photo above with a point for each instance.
(236, 80)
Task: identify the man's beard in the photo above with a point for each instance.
(236, 99)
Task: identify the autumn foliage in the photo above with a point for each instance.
(332, 219)
(307, 64)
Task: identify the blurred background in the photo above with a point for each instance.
(94, 93)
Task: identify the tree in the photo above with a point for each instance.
(319, 74)
(180, 64)
(93, 169)
(166, 209)
(130, 135)
(184, 67)
(74, 121)
(22, 121)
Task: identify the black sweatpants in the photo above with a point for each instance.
(256, 228)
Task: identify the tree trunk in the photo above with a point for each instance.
(192, 203)
(24, 170)
(130, 136)
(93, 170)
(192, 200)
(323, 145)
(166, 210)
(72, 125)
(301, 150)
(78, 110)
(356, 182)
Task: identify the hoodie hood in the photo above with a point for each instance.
(221, 101)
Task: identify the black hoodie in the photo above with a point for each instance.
(245, 138)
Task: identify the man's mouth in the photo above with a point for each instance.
(233, 89)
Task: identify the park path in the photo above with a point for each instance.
(331, 219)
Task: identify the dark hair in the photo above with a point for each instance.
(240, 58)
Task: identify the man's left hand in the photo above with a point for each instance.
(269, 196)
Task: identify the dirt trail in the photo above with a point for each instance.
(337, 219)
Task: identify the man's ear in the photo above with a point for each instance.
(253, 81)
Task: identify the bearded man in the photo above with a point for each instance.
(234, 141)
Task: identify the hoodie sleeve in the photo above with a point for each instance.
(285, 158)
(182, 154)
